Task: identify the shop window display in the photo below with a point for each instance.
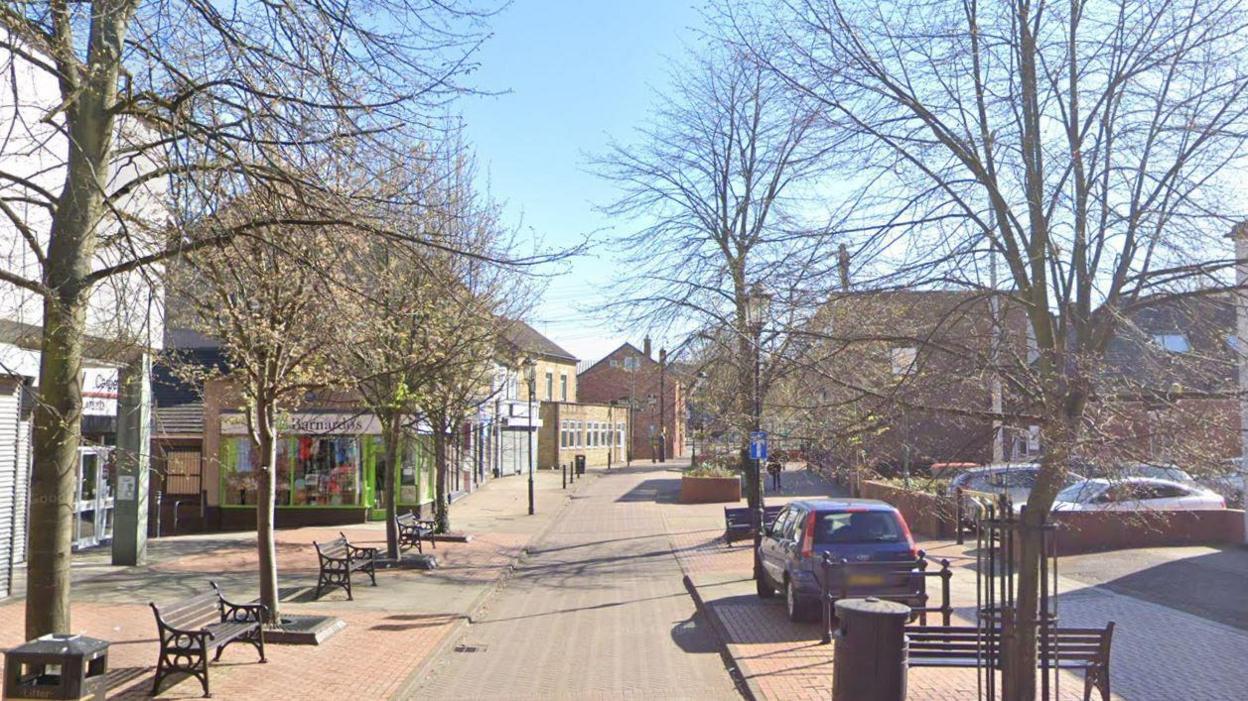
(240, 462)
(326, 471)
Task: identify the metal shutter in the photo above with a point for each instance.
(21, 505)
(8, 482)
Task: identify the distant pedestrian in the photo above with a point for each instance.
(774, 468)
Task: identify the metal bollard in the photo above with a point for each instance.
(565, 475)
(870, 660)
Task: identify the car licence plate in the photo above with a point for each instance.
(866, 580)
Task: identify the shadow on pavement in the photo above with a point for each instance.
(693, 635)
(659, 490)
(1210, 585)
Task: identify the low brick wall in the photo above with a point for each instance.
(927, 514)
(709, 490)
(1092, 531)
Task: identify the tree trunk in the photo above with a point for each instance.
(1019, 675)
(71, 250)
(392, 435)
(440, 504)
(266, 486)
(54, 479)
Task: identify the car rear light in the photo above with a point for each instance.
(808, 536)
(905, 530)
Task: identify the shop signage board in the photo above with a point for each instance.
(234, 424)
(99, 391)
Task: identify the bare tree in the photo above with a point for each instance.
(267, 299)
(187, 104)
(1083, 145)
(424, 330)
(718, 185)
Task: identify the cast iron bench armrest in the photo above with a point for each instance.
(240, 613)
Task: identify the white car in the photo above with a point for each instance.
(1136, 494)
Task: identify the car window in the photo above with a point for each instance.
(1019, 478)
(832, 527)
(1168, 491)
(791, 526)
(1119, 492)
(979, 483)
(782, 519)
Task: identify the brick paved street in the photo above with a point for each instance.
(1159, 653)
(392, 630)
(596, 610)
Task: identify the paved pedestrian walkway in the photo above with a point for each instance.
(393, 630)
(596, 610)
(1159, 653)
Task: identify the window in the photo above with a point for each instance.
(577, 437)
(782, 521)
(239, 463)
(902, 359)
(631, 363)
(857, 527)
(550, 386)
(563, 388)
(563, 434)
(1172, 342)
(326, 470)
(613, 363)
(619, 429)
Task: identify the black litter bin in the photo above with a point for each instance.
(57, 667)
(580, 464)
(869, 663)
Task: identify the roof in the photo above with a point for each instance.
(623, 346)
(182, 419)
(845, 503)
(528, 340)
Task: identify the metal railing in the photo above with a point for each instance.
(915, 570)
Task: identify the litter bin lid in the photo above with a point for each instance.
(55, 644)
(871, 606)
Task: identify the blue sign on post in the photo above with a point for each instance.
(758, 445)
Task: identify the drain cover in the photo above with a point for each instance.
(470, 647)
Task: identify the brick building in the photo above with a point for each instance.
(651, 388)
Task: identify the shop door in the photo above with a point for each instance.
(93, 508)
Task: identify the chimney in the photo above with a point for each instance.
(842, 262)
(662, 356)
(645, 346)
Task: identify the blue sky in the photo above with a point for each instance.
(578, 74)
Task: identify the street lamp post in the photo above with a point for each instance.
(530, 375)
(662, 405)
(757, 306)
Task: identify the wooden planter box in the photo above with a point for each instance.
(709, 490)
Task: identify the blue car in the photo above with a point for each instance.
(863, 532)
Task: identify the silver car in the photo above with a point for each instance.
(1013, 479)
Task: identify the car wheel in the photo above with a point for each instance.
(799, 609)
(764, 587)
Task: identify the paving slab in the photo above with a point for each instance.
(393, 631)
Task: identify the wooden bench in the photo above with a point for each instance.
(1086, 649)
(738, 523)
(338, 559)
(191, 628)
(412, 531)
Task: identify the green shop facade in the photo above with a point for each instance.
(331, 470)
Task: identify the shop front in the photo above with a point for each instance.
(331, 469)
